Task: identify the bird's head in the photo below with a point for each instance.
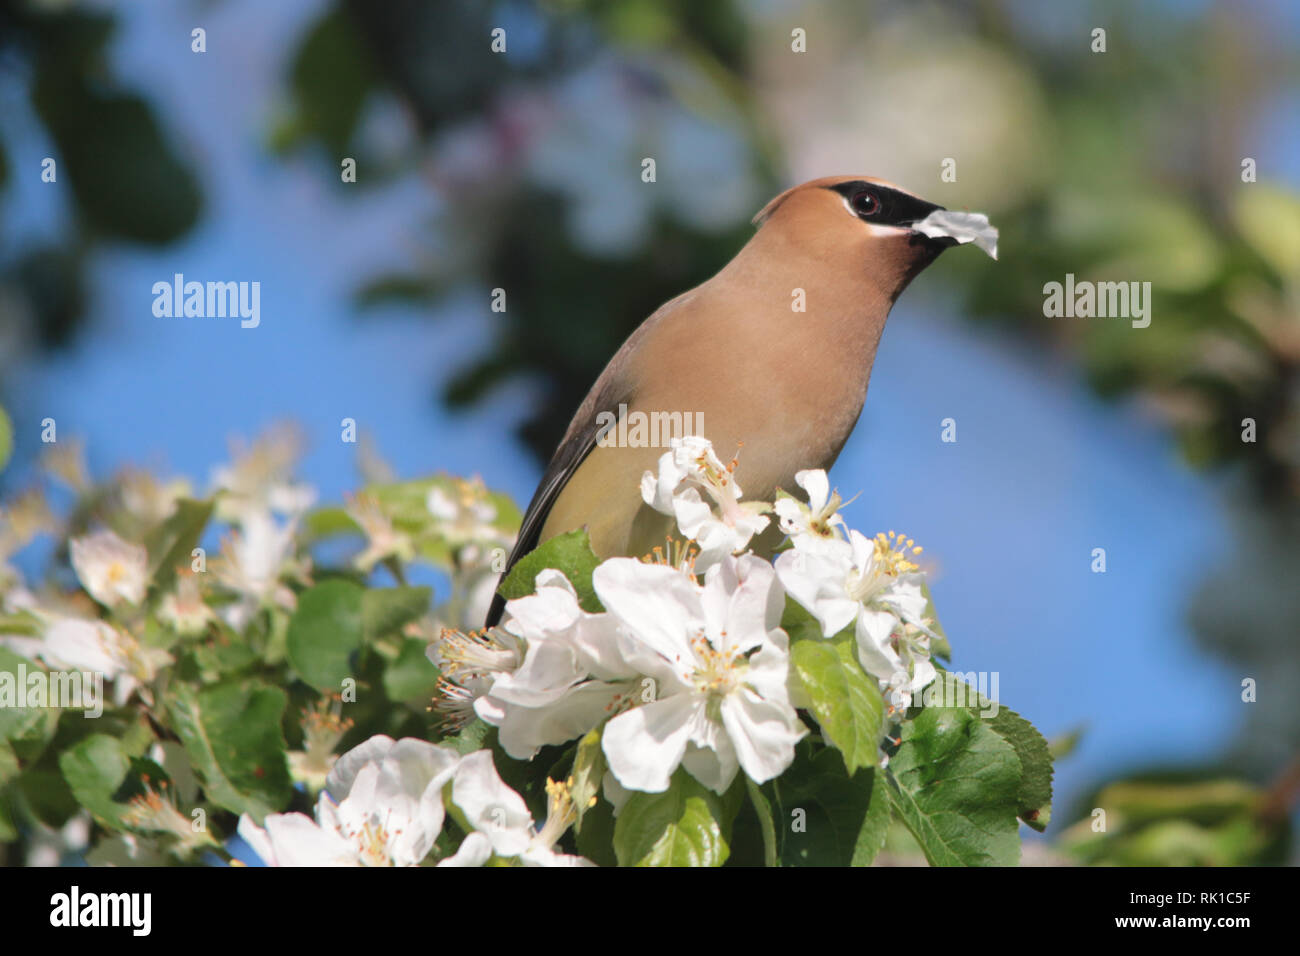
(858, 222)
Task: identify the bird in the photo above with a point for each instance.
(784, 386)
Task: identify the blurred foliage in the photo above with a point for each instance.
(570, 306)
(128, 180)
(1180, 818)
(233, 678)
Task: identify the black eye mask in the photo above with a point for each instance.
(893, 208)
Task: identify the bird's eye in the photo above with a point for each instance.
(865, 203)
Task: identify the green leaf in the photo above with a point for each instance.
(1063, 745)
(223, 655)
(232, 735)
(20, 624)
(326, 522)
(387, 610)
(127, 178)
(1035, 790)
(875, 826)
(325, 631)
(331, 76)
(95, 768)
(29, 728)
(473, 737)
(9, 769)
(957, 785)
(763, 810)
(1034, 795)
(570, 553)
(172, 542)
(1268, 217)
(842, 696)
(411, 676)
(798, 623)
(589, 767)
(6, 438)
(686, 825)
(823, 817)
(596, 841)
(939, 645)
(15, 719)
(8, 763)
(399, 289)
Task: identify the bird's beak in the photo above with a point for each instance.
(941, 228)
(938, 243)
(934, 243)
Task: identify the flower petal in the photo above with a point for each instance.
(645, 745)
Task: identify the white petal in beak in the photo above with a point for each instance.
(962, 226)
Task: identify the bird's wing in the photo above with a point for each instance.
(578, 441)
(615, 387)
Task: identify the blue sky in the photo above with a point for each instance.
(1040, 475)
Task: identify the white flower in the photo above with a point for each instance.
(260, 478)
(148, 499)
(253, 560)
(816, 526)
(110, 569)
(323, 726)
(24, 517)
(454, 701)
(66, 461)
(383, 541)
(466, 513)
(183, 609)
(475, 850)
(573, 675)
(692, 468)
(295, 839)
(488, 652)
(721, 702)
(383, 807)
(908, 652)
(156, 811)
(500, 815)
(876, 586)
(76, 644)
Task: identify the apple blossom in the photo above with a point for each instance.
(465, 514)
(183, 608)
(500, 814)
(816, 526)
(110, 569)
(253, 560)
(875, 586)
(382, 807)
(692, 480)
(573, 675)
(721, 701)
(383, 541)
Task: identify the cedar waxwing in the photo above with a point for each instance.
(754, 370)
